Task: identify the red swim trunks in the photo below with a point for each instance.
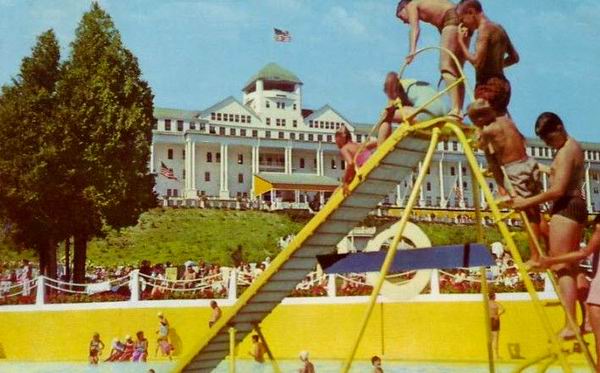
(496, 91)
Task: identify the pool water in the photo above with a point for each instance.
(246, 366)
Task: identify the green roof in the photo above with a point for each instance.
(298, 179)
(273, 72)
(166, 113)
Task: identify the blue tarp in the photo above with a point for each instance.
(442, 257)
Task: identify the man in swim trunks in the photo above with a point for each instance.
(96, 347)
(496, 310)
(505, 151)
(493, 52)
(569, 210)
(441, 14)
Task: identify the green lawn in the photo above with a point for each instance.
(177, 235)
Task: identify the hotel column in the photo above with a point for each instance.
(441, 176)
(421, 197)
(398, 195)
(224, 190)
(322, 163)
(254, 163)
(190, 183)
(319, 160)
(461, 201)
(193, 167)
(588, 189)
(483, 203)
(151, 158)
(288, 160)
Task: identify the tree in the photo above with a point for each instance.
(107, 112)
(31, 190)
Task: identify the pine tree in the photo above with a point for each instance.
(106, 109)
(31, 190)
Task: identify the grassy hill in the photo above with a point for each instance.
(177, 235)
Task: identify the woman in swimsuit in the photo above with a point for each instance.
(96, 347)
(593, 299)
(349, 150)
(569, 211)
(141, 348)
(162, 342)
(129, 349)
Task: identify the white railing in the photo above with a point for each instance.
(224, 283)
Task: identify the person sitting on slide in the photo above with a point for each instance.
(349, 152)
(412, 94)
(117, 350)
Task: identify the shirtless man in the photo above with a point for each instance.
(442, 15)
(216, 313)
(505, 151)
(496, 310)
(569, 210)
(493, 52)
(258, 350)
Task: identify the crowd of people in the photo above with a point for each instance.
(129, 349)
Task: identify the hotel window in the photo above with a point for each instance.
(294, 123)
(167, 124)
(315, 163)
(241, 178)
(254, 133)
(248, 119)
(175, 193)
(546, 152)
(329, 138)
(183, 154)
(232, 132)
(179, 125)
(202, 127)
(243, 119)
(218, 116)
(319, 137)
(212, 130)
(465, 186)
(343, 164)
(212, 116)
(311, 137)
(301, 137)
(491, 186)
(240, 159)
(268, 121)
(268, 134)
(154, 124)
(243, 132)
(209, 157)
(464, 170)
(222, 131)
(237, 118)
(358, 138)
(333, 165)
(218, 157)
(207, 176)
(429, 187)
(295, 106)
(192, 125)
(281, 135)
(446, 145)
(231, 117)
(277, 122)
(452, 171)
(170, 153)
(310, 123)
(168, 192)
(267, 104)
(454, 146)
(301, 162)
(183, 174)
(283, 105)
(283, 122)
(292, 136)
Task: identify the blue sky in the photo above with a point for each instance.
(195, 53)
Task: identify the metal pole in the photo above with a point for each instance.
(232, 350)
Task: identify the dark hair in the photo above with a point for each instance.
(255, 337)
(470, 4)
(344, 133)
(401, 5)
(547, 123)
(492, 295)
(374, 359)
(400, 92)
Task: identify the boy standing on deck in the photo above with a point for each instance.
(493, 52)
(505, 151)
(441, 14)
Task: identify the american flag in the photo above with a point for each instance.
(282, 36)
(167, 172)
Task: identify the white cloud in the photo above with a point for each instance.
(340, 19)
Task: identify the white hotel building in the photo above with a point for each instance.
(269, 142)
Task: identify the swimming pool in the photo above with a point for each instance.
(245, 366)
